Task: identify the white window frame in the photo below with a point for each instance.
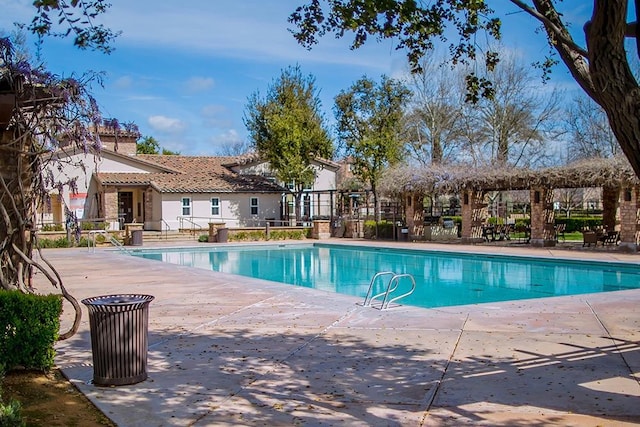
(215, 207)
(254, 206)
(186, 206)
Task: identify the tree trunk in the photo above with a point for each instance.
(17, 210)
(607, 77)
(615, 87)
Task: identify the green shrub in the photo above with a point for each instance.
(296, 234)
(579, 223)
(495, 221)
(61, 242)
(385, 229)
(237, 236)
(256, 235)
(277, 235)
(29, 327)
(203, 238)
(93, 225)
(11, 414)
(52, 227)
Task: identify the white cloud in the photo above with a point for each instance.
(166, 124)
(124, 82)
(199, 84)
(250, 29)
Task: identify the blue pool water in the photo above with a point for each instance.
(442, 278)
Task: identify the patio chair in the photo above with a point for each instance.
(560, 229)
(589, 237)
(612, 238)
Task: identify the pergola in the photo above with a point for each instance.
(620, 194)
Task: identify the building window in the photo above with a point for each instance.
(186, 206)
(253, 203)
(215, 206)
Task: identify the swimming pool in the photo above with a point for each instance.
(442, 278)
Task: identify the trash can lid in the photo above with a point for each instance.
(112, 300)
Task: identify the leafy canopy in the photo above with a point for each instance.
(369, 117)
(287, 128)
(413, 24)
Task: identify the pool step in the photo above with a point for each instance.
(392, 286)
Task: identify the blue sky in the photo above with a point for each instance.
(183, 73)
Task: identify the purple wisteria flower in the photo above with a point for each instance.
(111, 124)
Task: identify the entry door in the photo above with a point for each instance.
(125, 207)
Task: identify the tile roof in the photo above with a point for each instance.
(193, 175)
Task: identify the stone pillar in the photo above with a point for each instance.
(474, 211)
(610, 198)
(213, 231)
(321, 229)
(110, 200)
(148, 210)
(414, 215)
(542, 217)
(629, 219)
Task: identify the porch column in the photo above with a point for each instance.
(610, 199)
(629, 219)
(414, 216)
(148, 210)
(110, 200)
(542, 217)
(474, 211)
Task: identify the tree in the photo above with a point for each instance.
(434, 124)
(147, 145)
(601, 68)
(167, 152)
(569, 199)
(288, 130)
(60, 18)
(514, 125)
(369, 117)
(589, 131)
(40, 115)
(236, 148)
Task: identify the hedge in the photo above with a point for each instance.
(29, 327)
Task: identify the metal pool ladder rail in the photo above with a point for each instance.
(392, 286)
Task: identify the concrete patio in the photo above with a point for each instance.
(226, 350)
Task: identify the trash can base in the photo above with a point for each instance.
(103, 381)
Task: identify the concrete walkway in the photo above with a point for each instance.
(226, 350)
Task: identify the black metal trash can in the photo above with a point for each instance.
(404, 234)
(223, 235)
(136, 237)
(119, 329)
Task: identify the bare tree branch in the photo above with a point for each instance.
(558, 32)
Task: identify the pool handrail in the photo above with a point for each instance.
(395, 281)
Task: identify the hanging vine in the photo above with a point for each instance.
(40, 116)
